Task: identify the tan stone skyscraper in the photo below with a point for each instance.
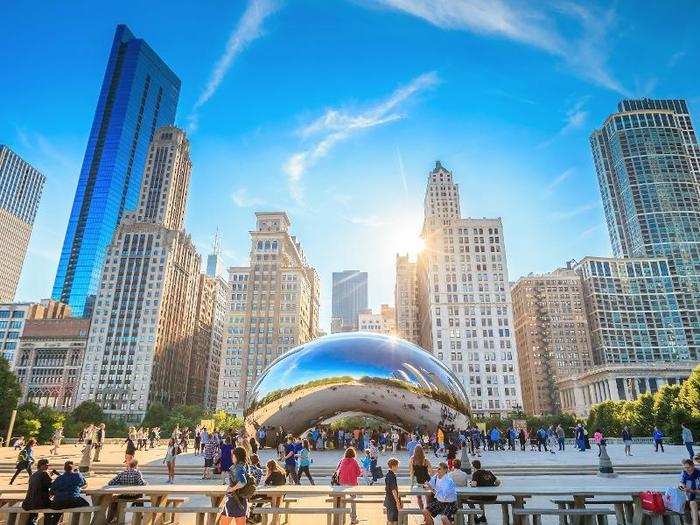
(273, 307)
(464, 306)
(143, 322)
(552, 335)
(20, 191)
(406, 299)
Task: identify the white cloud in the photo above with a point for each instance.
(337, 125)
(558, 180)
(576, 117)
(531, 23)
(242, 199)
(247, 30)
(575, 212)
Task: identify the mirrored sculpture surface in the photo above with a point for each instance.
(357, 372)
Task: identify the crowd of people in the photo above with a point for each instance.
(233, 458)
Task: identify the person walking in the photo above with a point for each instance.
(210, 449)
(170, 454)
(552, 440)
(130, 451)
(687, 438)
(226, 458)
(598, 439)
(99, 441)
(658, 437)
(627, 440)
(25, 460)
(290, 460)
(56, 439)
(305, 462)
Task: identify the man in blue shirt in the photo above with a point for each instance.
(690, 484)
(290, 460)
(66, 489)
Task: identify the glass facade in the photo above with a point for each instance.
(139, 94)
(349, 296)
(647, 159)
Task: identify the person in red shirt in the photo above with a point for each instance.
(348, 473)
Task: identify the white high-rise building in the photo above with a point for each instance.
(145, 313)
(465, 312)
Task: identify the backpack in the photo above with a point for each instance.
(247, 490)
(23, 455)
(653, 501)
(488, 479)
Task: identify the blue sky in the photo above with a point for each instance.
(335, 110)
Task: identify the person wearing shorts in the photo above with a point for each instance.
(392, 501)
(444, 502)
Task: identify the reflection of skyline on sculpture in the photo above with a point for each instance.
(356, 372)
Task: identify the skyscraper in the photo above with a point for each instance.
(406, 299)
(20, 191)
(349, 297)
(464, 304)
(139, 94)
(145, 312)
(552, 336)
(647, 159)
(273, 307)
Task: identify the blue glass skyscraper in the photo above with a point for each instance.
(647, 158)
(139, 95)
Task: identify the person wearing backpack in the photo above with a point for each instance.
(25, 460)
(481, 478)
(241, 487)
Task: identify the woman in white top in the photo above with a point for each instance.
(444, 502)
(170, 455)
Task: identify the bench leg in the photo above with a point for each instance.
(137, 518)
(505, 514)
(602, 519)
(561, 505)
(536, 519)
(620, 514)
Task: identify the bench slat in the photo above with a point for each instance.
(298, 510)
(562, 512)
(172, 510)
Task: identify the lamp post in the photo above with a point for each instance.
(10, 427)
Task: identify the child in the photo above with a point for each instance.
(392, 501)
(367, 468)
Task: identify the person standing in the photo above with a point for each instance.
(170, 455)
(208, 455)
(236, 506)
(658, 437)
(392, 500)
(25, 460)
(598, 438)
(226, 458)
(627, 440)
(37, 496)
(290, 460)
(687, 438)
(86, 457)
(419, 471)
(348, 472)
(56, 439)
(561, 437)
(305, 462)
(99, 441)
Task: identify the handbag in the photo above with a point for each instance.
(674, 500)
(653, 501)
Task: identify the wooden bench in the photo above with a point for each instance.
(79, 515)
(504, 501)
(200, 513)
(667, 518)
(126, 505)
(624, 509)
(325, 511)
(586, 516)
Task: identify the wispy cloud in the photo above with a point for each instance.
(591, 230)
(337, 125)
(248, 29)
(512, 96)
(537, 24)
(558, 180)
(676, 57)
(242, 199)
(575, 212)
(369, 221)
(575, 118)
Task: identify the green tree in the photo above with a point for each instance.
(686, 407)
(664, 401)
(606, 416)
(11, 392)
(48, 418)
(226, 422)
(86, 413)
(156, 414)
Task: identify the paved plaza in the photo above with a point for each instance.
(188, 465)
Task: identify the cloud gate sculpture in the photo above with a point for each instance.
(357, 372)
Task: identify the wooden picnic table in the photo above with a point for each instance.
(519, 490)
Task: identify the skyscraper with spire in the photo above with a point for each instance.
(139, 94)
